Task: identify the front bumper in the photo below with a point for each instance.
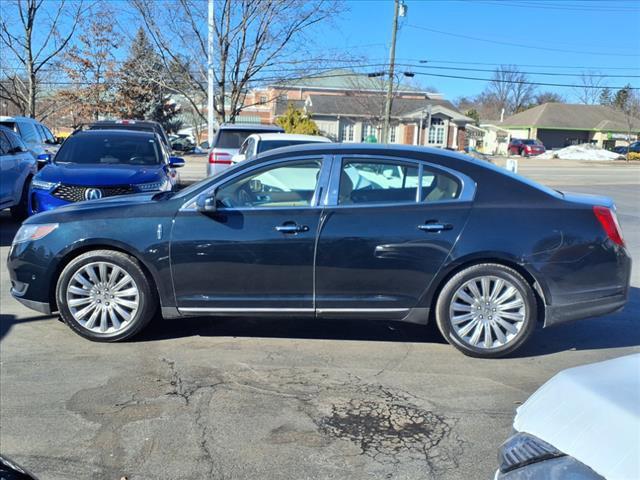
(42, 201)
(557, 468)
(42, 307)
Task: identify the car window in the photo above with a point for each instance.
(280, 186)
(439, 186)
(271, 144)
(28, 132)
(16, 141)
(370, 181)
(40, 130)
(244, 147)
(48, 135)
(231, 138)
(111, 148)
(5, 146)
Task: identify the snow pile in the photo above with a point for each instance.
(585, 151)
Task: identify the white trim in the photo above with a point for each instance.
(246, 310)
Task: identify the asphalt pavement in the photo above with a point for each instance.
(286, 399)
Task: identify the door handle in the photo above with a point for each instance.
(435, 227)
(291, 228)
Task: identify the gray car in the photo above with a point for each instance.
(36, 136)
(227, 141)
(17, 167)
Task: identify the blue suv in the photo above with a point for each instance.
(17, 166)
(94, 164)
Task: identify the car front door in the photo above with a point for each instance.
(7, 170)
(255, 253)
(383, 239)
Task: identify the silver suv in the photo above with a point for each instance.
(227, 140)
(38, 138)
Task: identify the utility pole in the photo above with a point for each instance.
(392, 61)
(210, 91)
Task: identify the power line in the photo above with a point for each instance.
(522, 45)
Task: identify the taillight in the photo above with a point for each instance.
(219, 157)
(609, 222)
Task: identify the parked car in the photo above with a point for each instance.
(525, 148)
(257, 143)
(182, 143)
(36, 136)
(10, 470)
(623, 150)
(93, 164)
(227, 142)
(376, 232)
(17, 166)
(584, 424)
(137, 125)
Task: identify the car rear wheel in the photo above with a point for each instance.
(105, 296)
(487, 310)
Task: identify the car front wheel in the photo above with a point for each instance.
(486, 310)
(105, 296)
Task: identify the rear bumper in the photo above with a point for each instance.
(556, 314)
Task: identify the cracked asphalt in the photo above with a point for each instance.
(227, 398)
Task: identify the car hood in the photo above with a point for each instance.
(591, 413)
(100, 175)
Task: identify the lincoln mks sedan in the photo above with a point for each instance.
(382, 233)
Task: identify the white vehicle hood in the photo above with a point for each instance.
(592, 413)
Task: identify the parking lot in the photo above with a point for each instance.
(273, 399)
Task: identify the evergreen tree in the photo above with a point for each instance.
(295, 120)
(622, 97)
(140, 94)
(606, 96)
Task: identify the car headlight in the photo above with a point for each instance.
(524, 449)
(34, 232)
(42, 184)
(152, 186)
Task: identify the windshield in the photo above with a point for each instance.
(232, 138)
(271, 144)
(109, 149)
(530, 142)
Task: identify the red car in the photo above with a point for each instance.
(525, 148)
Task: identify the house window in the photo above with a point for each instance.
(263, 99)
(369, 132)
(393, 133)
(346, 131)
(436, 132)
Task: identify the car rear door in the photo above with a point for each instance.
(383, 239)
(256, 252)
(7, 170)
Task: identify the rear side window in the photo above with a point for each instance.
(369, 182)
(231, 138)
(16, 141)
(438, 186)
(5, 146)
(28, 132)
(271, 144)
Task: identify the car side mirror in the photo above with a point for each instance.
(176, 162)
(206, 203)
(44, 158)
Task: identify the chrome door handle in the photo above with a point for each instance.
(435, 227)
(291, 228)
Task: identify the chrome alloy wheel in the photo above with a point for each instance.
(487, 312)
(102, 297)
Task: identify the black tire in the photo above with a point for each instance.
(21, 211)
(446, 296)
(148, 302)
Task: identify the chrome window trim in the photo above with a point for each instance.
(467, 185)
(190, 204)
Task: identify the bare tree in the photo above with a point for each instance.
(255, 40)
(33, 33)
(510, 89)
(590, 87)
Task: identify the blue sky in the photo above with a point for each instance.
(601, 36)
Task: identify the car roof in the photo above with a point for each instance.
(115, 131)
(258, 127)
(4, 118)
(290, 136)
(125, 122)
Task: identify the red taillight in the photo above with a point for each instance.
(527, 148)
(609, 222)
(220, 157)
